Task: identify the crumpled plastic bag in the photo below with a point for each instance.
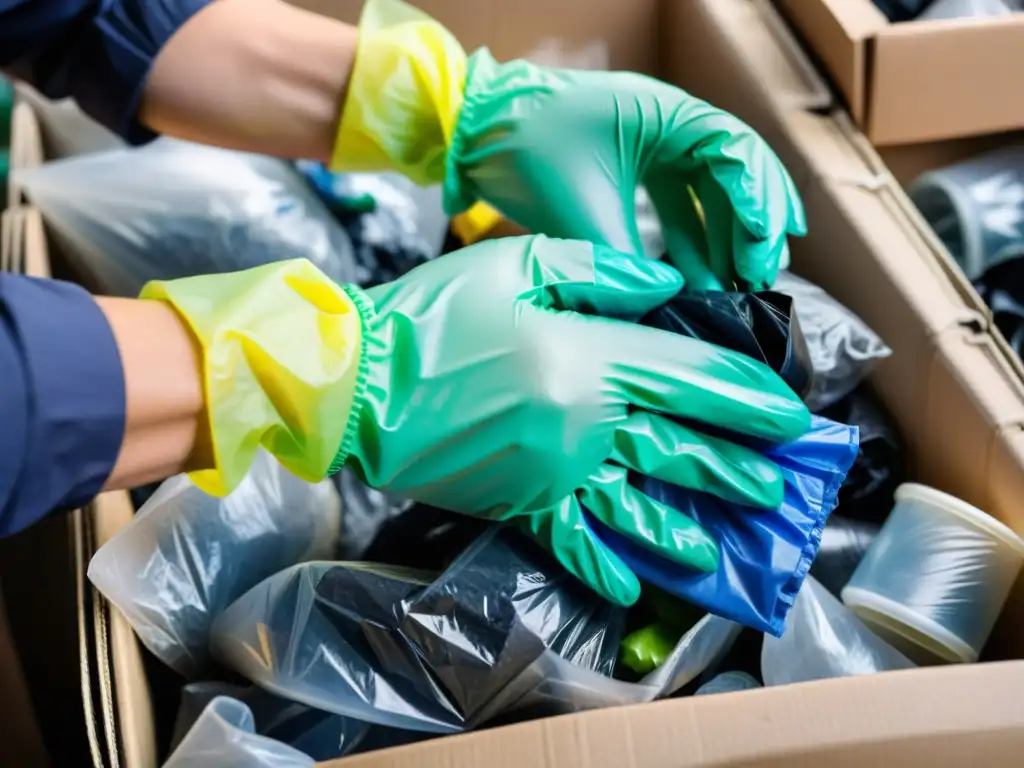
(504, 631)
(186, 556)
(824, 639)
(318, 735)
(764, 554)
(225, 736)
(844, 542)
(175, 209)
(1002, 288)
(881, 464)
(394, 223)
(843, 350)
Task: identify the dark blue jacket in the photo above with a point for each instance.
(62, 395)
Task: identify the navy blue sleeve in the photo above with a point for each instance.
(98, 51)
(62, 399)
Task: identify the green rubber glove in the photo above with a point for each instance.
(561, 152)
(507, 381)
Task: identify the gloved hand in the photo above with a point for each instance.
(561, 152)
(475, 383)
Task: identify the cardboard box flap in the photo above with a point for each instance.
(842, 31)
(956, 716)
(920, 69)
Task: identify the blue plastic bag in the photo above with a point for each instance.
(764, 554)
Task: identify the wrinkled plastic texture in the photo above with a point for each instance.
(186, 556)
(503, 632)
(1002, 288)
(950, 574)
(367, 510)
(393, 223)
(174, 209)
(320, 735)
(843, 349)
(263, 389)
(562, 152)
(976, 207)
(728, 682)
(844, 543)
(764, 554)
(491, 337)
(881, 463)
(823, 639)
(225, 736)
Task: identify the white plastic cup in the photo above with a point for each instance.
(936, 578)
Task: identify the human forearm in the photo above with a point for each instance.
(165, 425)
(256, 75)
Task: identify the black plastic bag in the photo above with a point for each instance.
(880, 466)
(1002, 288)
(844, 543)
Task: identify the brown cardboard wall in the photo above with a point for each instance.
(514, 28)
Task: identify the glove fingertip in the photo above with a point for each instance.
(622, 270)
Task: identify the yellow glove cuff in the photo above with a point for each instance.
(282, 347)
(404, 95)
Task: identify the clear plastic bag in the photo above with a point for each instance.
(225, 736)
(174, 209)
(394, 224)
(504, 632)
(843, 349)
(823, 639)
(320, 735)
(186, 555)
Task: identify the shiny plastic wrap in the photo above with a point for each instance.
(394, 223)
(969, 9)
(844, 543)
(319, 735)
(503, 632)
(843, 349)
(881, 463)
(764, 554)
(937, 576)
(1002, 288)
(728, 682)
(225, 736)
(186, 556)
(174, 209)
(824, 639)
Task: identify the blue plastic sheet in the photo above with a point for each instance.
(764, 554)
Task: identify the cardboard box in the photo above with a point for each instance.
(958, 400)
(919, 80)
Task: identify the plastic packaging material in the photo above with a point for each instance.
(366, 512)
(728, 682)
(174, 209)
(186, 556)
(764, 554)
(844, 543)
(1002, 288)
(504, 631)
(824, 639)
(976, 207)
(937, 577)
(843, 349)
(225, 736)
(902, 10)
(881, 464)
(969, 9)
(319, 735)
(424, 537)
(394, 223)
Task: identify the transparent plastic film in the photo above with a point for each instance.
(937, 576)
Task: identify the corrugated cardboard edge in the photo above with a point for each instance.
(841, 31)
(969, 57)
(950, 709)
